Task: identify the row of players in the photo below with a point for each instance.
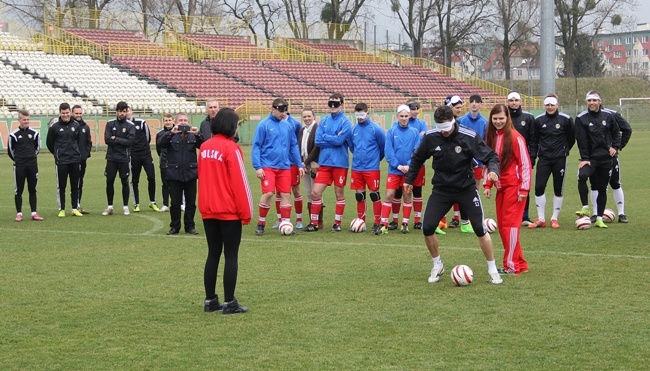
(549, 138)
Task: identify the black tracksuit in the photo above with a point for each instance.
(63, 142)
(162, 155)
(626, 133)
(141, 158)
(552, 140)
(85, 146)
(118, 156)
(23, 147)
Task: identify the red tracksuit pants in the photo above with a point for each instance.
(509, 212)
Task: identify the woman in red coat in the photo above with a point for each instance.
(513, 185)
(225, 204)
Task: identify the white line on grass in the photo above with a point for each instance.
(151, 234)
(157, 224)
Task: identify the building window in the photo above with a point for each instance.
(644, 39)
(628, 53)
(629, 40)
(645, 52)
(617, 41)
(520, 73)
(608, 48)
(618, 55)
(609, 60)
(635, 52)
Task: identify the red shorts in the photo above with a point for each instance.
(395, 181)
(419, 180)
(478, 172)
(295, 175)
(329, 174)
(276, 180)
(360, 179)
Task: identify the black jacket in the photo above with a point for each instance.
(553, 136)
(63, 142)
(623, 125)
(523, 121)
(181, 155)
(452, 158)
(596, 132)
(119, 149)
(206, 131)
(23, 146)
(85, 140)
(141, 143)
(162, 151)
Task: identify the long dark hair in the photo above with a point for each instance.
(506, 154)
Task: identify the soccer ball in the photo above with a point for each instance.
(609, 216)
(286, 228)
(357, 225)
(490, 225)
(583, 223)
(462, 275)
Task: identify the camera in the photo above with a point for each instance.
(184, 128)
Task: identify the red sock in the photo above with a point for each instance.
(361, 209)
(263, 211)
(407, 212)
(285, 212)
(385, 212)
(397, 202)
(297, 204)
(339, 210)
(316, 206)
(376, 210)
(417, 209)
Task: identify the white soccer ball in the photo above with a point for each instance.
(583, 223)
(462, 275)
(490, 225)
(285, 228)
(609, 216)
(357, 225)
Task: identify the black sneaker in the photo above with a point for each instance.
(593, 218)
(212, 305)
(375, 227)
(405, 228)
(310, 228)
(505, 271)
(259, 230)
(336, 228)
(455, 223)
(622, 218)
(233, 307)
(417, 225)
(526, 221)
(392, 226)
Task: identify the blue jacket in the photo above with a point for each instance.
(418, 124)
(478, 124)
(295, 124)
(401, 142)
(331, 136)
(366, 142)
(275, 145)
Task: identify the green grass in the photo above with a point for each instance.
(116, 293)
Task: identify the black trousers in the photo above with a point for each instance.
(598, 174)
(222, 236)
(111, 171)
(439, 203)
(82, 174)
(165, 186)
(137, 163)
(63, 172)
(177, 190)
(546, 167)
(615, 178)
(22, 173)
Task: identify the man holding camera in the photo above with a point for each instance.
(181, 143)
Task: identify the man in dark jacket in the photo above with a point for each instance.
(85, 145)
(522, 121)
(22, 147)
(168, 124)
(63, 142)
(181, 143)
(118, 136)
(212, 107)
(141, 158)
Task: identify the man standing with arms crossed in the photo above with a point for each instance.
(23, 147)
(331, 135)
(366, 143)
(141, 158)
(118, 136)
(85, 145)
(63, 142)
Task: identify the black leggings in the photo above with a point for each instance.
(222, 235)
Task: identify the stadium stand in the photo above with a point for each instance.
(11, 42)
(192, 78)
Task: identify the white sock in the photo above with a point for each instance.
(619, 198)
(599, 218)
(557, 206)
(540, 202)
(492, 266)
(110, 207)
(594, 201)
(437, 261)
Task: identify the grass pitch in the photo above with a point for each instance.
(117, 293)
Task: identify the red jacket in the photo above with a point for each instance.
(224, 193)
(519, 171)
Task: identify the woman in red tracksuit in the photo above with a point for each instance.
(225, 204)
(512, 187)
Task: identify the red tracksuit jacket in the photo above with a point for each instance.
(519, 171)
(224, 192)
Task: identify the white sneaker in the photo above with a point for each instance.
(126, 211)
(276, 225)
(495, 278)
(183, 207)
(436, 272)
(164, 209)
(298, 225)
(108, 211)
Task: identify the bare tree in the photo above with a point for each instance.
(575, 17)
(297, 13)
(415, 17)
(339, 15)
(516, 21)
(459, 21)
(256, 13)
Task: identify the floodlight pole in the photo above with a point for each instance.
(547, 52)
